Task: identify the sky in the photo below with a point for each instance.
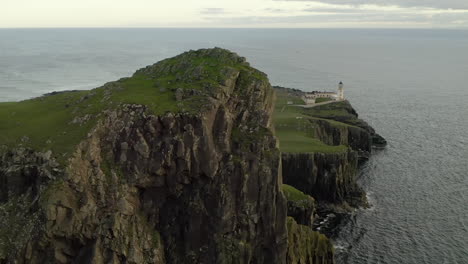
(235, 13)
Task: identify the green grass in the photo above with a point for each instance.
(341, 112)
(296, 142)
(293, 194)
(45, 123)
(322, 100)
(295, 130)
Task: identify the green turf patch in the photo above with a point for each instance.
(322, 100)
(294, 195)
(296, 142)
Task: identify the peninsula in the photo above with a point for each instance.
(195, 159)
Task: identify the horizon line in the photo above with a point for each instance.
(130, 27)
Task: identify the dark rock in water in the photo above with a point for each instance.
(378, 141)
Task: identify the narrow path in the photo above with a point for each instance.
(314, 105)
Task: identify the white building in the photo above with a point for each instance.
(341, 91)
(310, 97)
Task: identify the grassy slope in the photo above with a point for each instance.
(295, 131)
(338, 114)
(46, 122)
(322, 100)
(293, 194)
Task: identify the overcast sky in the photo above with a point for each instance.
(235, 13)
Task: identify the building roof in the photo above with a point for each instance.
(317, 92)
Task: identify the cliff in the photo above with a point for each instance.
(176, 164)
(322, 147)
(326, 177)
(179, 163)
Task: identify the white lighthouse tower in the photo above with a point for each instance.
(340, 91)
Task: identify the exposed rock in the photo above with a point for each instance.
(326, 177)
(301, 207)
(308, 247)
(170, 188)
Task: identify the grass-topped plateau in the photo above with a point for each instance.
(294, 129)
(59, 121)
(295, 126)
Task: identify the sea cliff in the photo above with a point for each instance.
(322, 147)
(179, 163)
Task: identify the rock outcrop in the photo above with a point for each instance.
(329, 177)
(308, 247)
(301, 207)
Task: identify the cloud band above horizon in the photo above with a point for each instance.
(236, 13)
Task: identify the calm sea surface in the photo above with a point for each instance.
(410, 85)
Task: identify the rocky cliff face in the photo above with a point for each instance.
(179, 187)
(357, 138)
(347, 129)
(326, 177)
(330, 176)
(307, 246)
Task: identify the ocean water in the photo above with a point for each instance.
(410, 85)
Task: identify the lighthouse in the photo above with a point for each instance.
(340, 91)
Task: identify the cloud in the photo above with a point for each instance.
(236, 13)
(326, 15)
(334, 10)
(275, 10)
(349, 13)
(325, 18)
(443, 4)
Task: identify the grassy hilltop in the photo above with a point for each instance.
(59, 121)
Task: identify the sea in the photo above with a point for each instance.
(410, 85)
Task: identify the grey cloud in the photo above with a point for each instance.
(376, 18)
(275, 10)
(334, 10)
(442, 4)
